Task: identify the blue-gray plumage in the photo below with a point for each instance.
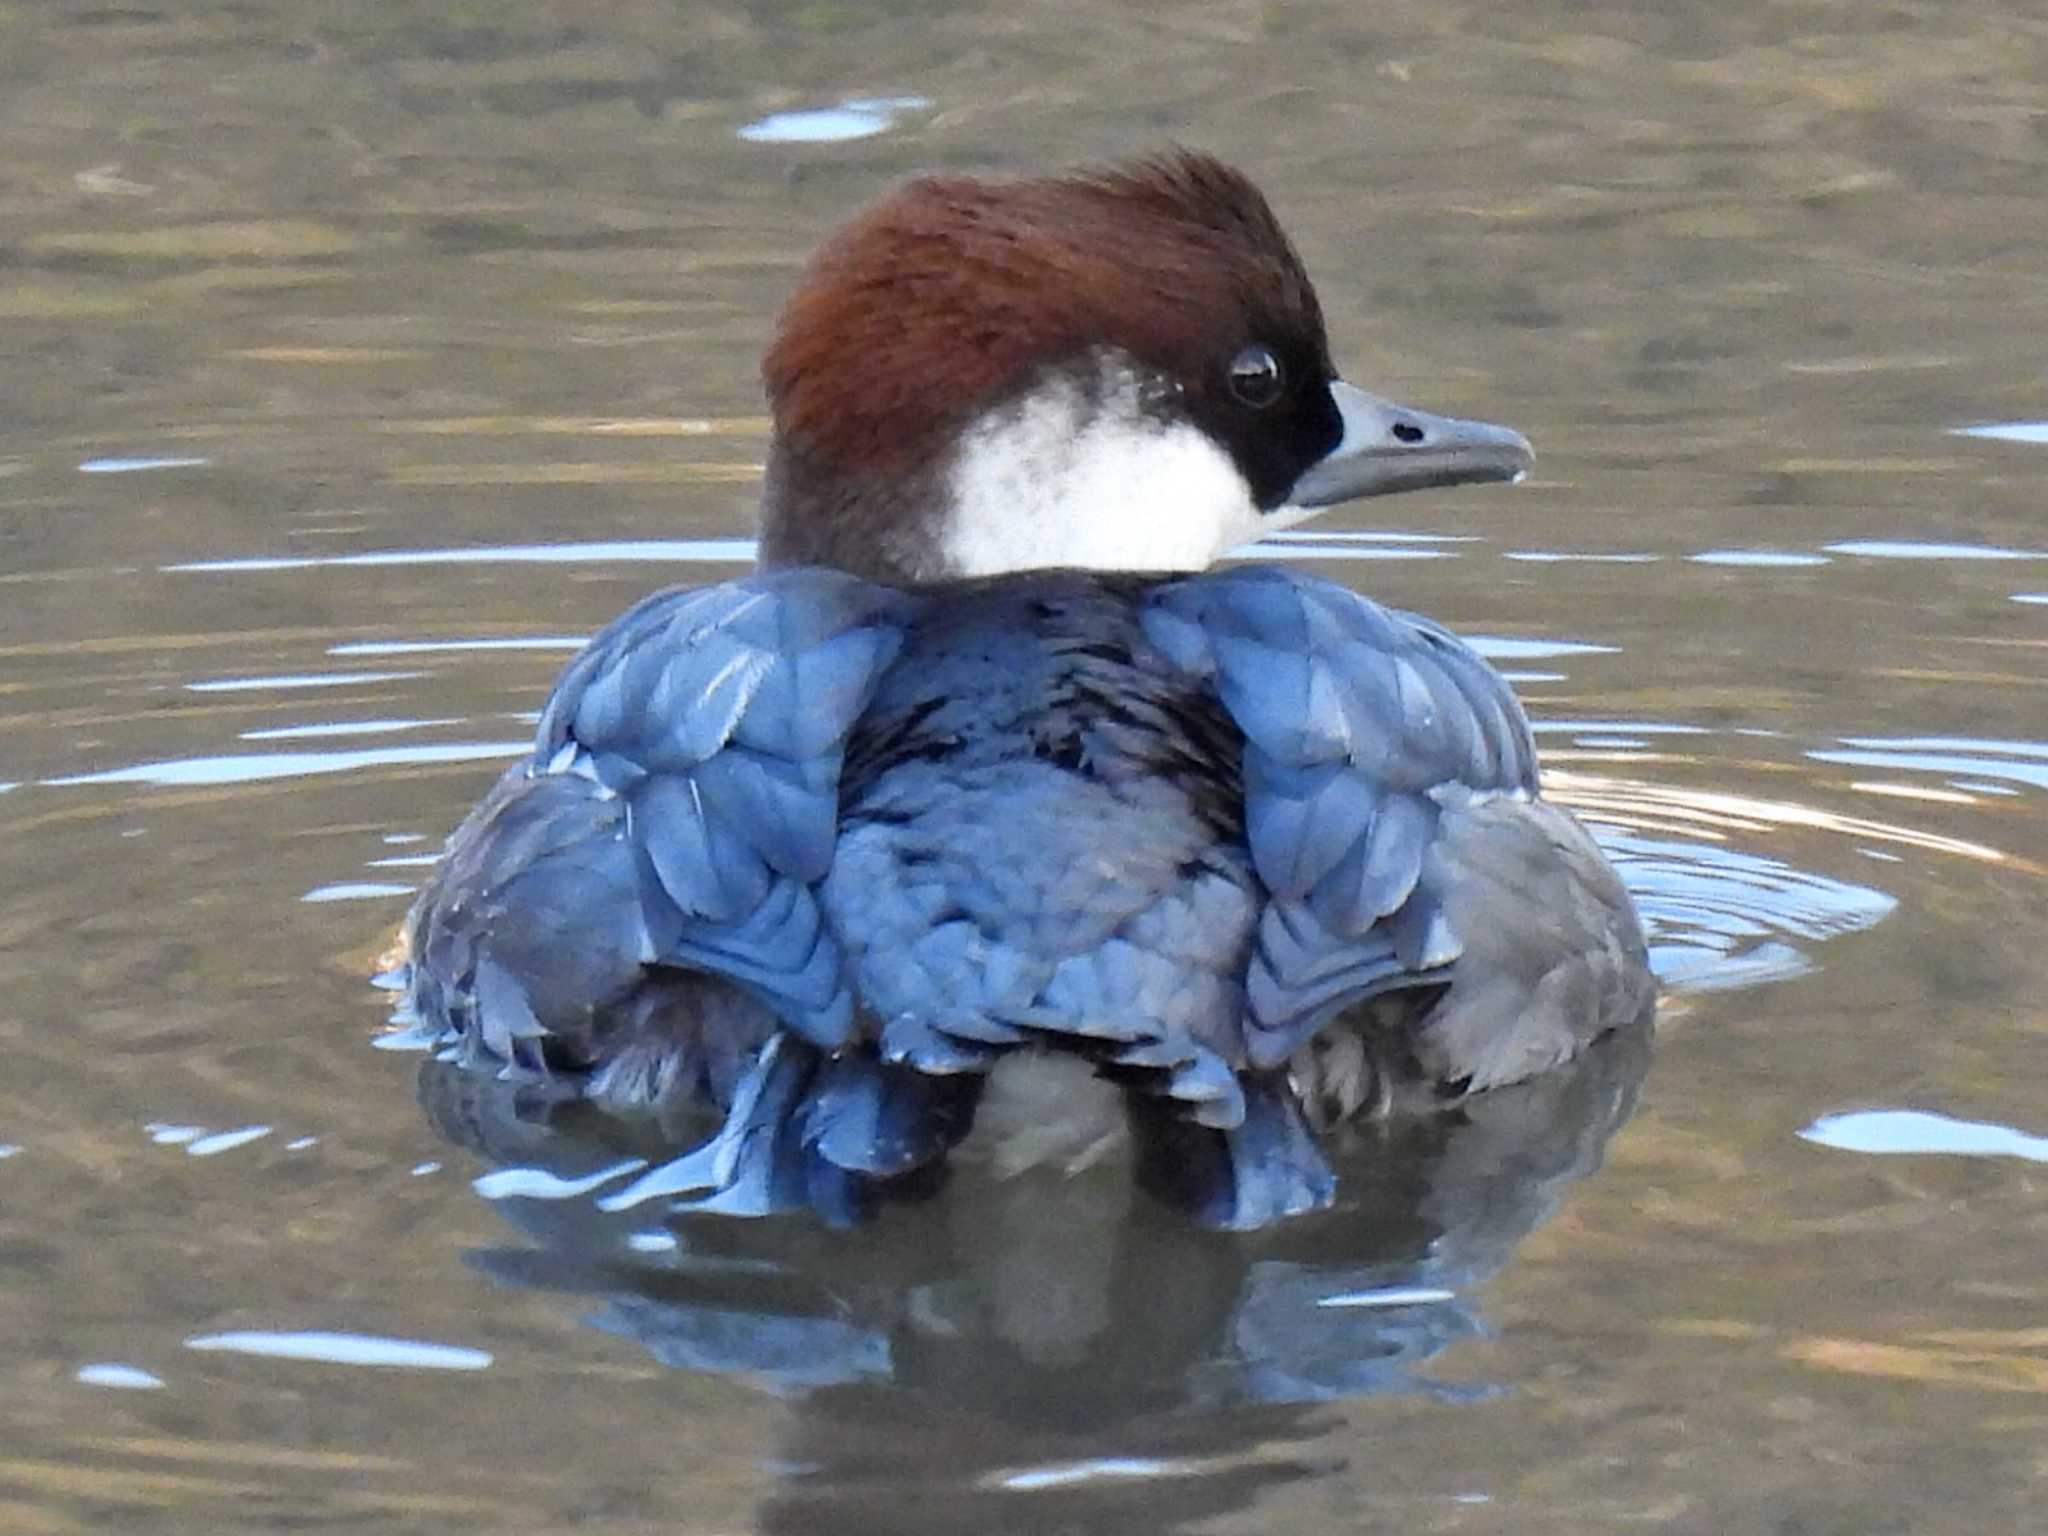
(1179, 826)
(963, 786)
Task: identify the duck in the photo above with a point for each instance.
(995, 788)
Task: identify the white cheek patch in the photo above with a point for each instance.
(1069, 477)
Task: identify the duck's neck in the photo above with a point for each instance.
(1094, 466)
(886, 528)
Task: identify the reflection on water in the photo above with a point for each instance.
(2008, 431)
(1715, 816)
(307, 680)
(249, 767)
(601, 551)
(1912, 1131)
(138, 465)
(2021, 762)
(344, 1349)
(1930, 549)
(860, 117)
(109, 1373)
(358, 890)
(1051, 1286)
(1577, 557)
(1719, 917)
(1054, 1298)
(1791, 558)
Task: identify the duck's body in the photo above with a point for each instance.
(825, 847)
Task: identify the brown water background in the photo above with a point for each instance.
(320, 325)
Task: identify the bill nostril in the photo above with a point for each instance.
(1408, 432)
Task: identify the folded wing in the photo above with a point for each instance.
(1391, 807)
(679, 806)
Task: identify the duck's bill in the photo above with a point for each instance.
(1388, 447)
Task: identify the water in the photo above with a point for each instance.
(359, 363)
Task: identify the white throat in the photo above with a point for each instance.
(1073, 475)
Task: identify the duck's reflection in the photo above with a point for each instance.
(1057, 1300)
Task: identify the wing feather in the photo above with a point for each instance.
(1358, 720)
(679, 805)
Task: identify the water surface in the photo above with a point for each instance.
(360, 360)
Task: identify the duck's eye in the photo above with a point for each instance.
(1256, 377)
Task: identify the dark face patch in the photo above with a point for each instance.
(1273, 444)
(953, 294)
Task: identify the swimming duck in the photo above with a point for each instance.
(990, 769)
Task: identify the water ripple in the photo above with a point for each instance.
(139, 465)
(1758, 557)
(1921, 549)
(1719, 917)
(344, 1349)
(856, 117)
(339, 728)
(2006, 431)
(115, 1373)
(692, 551)
(1917, 1131)
(425, 647)
(256, 767)
(1945, 763)
(1513, 648)
(299, 680)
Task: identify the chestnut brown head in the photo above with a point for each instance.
(1123, 368)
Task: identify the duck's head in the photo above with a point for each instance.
(1122, 369)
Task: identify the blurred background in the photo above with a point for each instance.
(356, 361)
